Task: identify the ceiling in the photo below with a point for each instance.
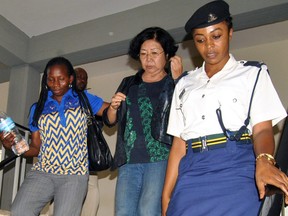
(35, 17)
(33, 31)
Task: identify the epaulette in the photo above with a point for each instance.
(253, 63)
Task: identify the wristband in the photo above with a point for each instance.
(269, 157)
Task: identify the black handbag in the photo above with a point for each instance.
(99, 154)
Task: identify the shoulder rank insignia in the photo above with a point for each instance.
(254, 63)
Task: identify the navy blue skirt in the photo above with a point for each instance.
(216, 183)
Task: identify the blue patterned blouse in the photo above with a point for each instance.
(63, 132)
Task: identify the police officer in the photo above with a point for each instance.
(213, 164)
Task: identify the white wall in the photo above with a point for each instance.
(4, 88)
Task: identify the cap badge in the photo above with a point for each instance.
(212, 17)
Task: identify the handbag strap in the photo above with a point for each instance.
(85, 103)
(86, 106)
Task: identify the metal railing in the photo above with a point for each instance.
(19, 167)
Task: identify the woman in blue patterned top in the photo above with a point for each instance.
(59, 139)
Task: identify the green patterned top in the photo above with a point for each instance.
(140, 146)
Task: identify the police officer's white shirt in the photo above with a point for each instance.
(196, 98)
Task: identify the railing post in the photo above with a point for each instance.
(1, 171)
(23, 164)
(16, 178)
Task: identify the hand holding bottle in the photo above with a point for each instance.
(10, 136)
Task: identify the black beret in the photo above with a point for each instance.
(209, 14)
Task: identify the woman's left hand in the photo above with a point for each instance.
(268, 174)
(176, 66)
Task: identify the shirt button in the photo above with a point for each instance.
(203, 117)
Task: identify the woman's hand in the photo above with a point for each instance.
(117, 100)
(176, 66)
(267, 173)
(114, 105)
(7, 140)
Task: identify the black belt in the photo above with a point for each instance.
(214, 141)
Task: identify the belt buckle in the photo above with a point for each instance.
(204, 144)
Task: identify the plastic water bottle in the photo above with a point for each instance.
(7, 126)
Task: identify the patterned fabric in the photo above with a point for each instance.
(156, 150)
(140, 146)
(129, 134)
(66, 152)
(63, 132)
